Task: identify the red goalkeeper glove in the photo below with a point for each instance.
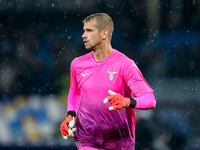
(118, 101)
(67, 127)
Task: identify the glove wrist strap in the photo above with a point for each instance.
(72, 113)
(132, 103)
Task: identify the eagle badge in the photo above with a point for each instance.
(111, 75)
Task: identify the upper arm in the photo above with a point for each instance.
(135, 80)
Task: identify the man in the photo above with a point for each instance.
(103, 121)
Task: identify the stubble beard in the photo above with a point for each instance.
(88, 47)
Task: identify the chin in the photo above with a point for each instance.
(88, 48)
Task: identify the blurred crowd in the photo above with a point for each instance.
(33, 121)
(36, 53)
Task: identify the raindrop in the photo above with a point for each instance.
(69, 37)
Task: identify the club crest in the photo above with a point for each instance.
(111, 75)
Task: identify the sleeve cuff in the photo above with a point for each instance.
(72, 113)
(132, 103)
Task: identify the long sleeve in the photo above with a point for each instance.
(147, 101)
(73, 101)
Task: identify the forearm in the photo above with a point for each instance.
(73, 102)
(145, 102)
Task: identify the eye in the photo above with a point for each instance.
(89, 30)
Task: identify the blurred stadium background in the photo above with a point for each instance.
(39, 39)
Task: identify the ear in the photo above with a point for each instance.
(105, 34)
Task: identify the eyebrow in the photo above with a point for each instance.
(87, 29)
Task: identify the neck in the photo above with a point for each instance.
(102, 53)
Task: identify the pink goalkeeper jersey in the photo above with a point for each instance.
(96, 125)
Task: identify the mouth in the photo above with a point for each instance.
(85, 42)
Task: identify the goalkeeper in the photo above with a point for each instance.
(105, 88)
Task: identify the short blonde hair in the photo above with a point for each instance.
(103, 21)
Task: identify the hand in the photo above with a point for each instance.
(67, 127)
(117, 101)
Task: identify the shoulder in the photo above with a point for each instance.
(81, 59)
(123, 59)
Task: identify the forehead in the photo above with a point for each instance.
(90, 24)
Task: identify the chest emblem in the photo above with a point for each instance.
(111, 75)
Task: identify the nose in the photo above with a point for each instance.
(83, 35)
